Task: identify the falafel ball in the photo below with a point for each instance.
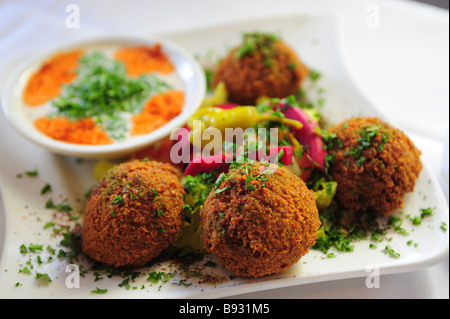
(133, 214)
(259, 220)
(375, 165)
(262, 66)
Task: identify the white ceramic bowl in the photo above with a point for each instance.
(188, 72)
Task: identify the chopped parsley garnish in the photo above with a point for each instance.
(397, 223)
(360, 161)
(426, 212)
(103, 91)
(330, 140)
(154, 192)
(198, 187)
(43, 277)
(61, 254)
(25, 270)
(417, 220)
(245, 169)
(61, 207)
(366, 141)
(314, 75)
(34, 247)
(156, 276)
(255, 41)
(117, 200)
(333, 237)
(389, 250)
(218, 191)
(51, 250)
(334, 234)
(329, 159)
(99, 291)
(132, 196)
(248, 184)
(23, 249)
(259, 42)
(72, 241)
(182, 282)
(32, 173)
(209, 74)
(46, 188)
(125, 283)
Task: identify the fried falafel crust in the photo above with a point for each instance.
(133, 214)
(248, 78)
(378, 179)
(262, 231)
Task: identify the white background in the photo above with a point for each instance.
(402, 63)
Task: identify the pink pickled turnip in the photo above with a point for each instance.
(207, 164)
(308, 135)
(286, 158)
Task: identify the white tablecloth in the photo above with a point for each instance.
(398, 52)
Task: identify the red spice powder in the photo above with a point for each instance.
(62, 129)
(159, 110)
(143, 59)
(46, 83)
